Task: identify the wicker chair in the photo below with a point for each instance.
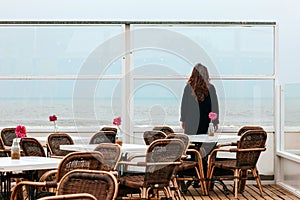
(32, 147)
(78, 196)
(162, 160)
(164, 128)
(54, 140)
(111, 155)
(251, 144)
(101, 184)
(190, 169)
(150, 136)
(75, 160)
(220, 174)
(103, 137)
(7, 135)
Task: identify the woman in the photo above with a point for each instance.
(198, 100)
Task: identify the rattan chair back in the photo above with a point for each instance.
(250, 139)
(243, 129)
(32, 147)
(103, 137)
(181, 136)
(54, 140)
(109, 128)
(150, 136)
(160, 151)
(111, 155)
(7, 135)
(164, 128)
(101, 184)
(79, 160)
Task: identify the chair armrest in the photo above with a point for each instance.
(136, 156)
(69, 196)
(227, 144)
(247, 150)
(4, 150)
(17, 189)
(55, 156)
(48, 174)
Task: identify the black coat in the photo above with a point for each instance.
(194, 113)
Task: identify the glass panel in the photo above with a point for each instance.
(245, 102)
(290, 173)
(238, 51)
(81, 103)
(157, 102)
(58, 50)
(241, 102)
(292, 118)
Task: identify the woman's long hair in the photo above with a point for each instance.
(199, 80)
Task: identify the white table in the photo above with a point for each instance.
(126, 148)
(26, 163)
(218, 138)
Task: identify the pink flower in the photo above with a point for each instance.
(212, 116)
(117, 121)
(52, 118)
(20, 131)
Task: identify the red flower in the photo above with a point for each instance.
(20, 131)
(52, 118)
(212, 116)
(117, 121)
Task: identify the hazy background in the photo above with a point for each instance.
(284, 13)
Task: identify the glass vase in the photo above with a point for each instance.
(119, 139)
(211, 129)
(15, 149)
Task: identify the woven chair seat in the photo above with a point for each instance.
(225, 164)
(132, 181)
(187, 165)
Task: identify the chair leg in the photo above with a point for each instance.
(209, 177)
(176, 187)
(257, 178)
(236, 182)
(202, 181)
(244, 175)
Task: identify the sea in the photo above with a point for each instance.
(145, 112)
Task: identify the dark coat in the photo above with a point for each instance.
(195, 113)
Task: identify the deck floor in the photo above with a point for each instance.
(270, 192)
(251, 192)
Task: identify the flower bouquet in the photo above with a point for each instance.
(117, 121)
(211, 129)
(15, 148)
(53, 119)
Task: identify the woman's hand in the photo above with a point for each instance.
(216, 127)
(182, 125)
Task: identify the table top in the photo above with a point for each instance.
(218, 137)
(28, 163)
(126, 148)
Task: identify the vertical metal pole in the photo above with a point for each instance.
(127, 86)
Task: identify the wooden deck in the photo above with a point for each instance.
(251, 192)
(270, 192)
